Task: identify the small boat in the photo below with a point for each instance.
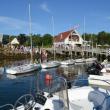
(50, 64)
(106, 67)
(25, 68)
(106, 70)
(79, 61)
(95, 68)
(68, 62)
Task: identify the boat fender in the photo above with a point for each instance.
(48, 79)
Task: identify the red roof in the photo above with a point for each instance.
(62, 36)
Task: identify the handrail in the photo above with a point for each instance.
(65, 84)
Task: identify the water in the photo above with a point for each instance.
(12, 87)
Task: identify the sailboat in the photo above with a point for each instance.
(25, 68)
(69, 61)
(51, 64)
(91, 59)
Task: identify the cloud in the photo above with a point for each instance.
(8, 23)
(45, 8)
(12, 22)
(108, 17)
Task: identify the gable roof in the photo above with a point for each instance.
(62, 36)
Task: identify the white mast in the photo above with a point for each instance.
(84, 37)
(53, 36)
(92, 45)
(30, 34)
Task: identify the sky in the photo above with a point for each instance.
(54, 16)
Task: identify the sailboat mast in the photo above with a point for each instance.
(84, 38)
(30, 34)
(53, 37)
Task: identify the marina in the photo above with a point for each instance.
(54, 55)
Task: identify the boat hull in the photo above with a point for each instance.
(51, 64)
(23, 69)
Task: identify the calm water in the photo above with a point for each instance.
(12, 87)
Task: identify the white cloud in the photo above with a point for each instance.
(45, 8)
(8, 23)
(12, 22)
(108, 17)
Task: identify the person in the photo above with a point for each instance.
(43, 56)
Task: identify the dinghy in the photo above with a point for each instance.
(50, 64)
(68, 62)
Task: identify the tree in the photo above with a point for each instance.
(22, 38)
(47, 40)
(103, 38)
(37, 40)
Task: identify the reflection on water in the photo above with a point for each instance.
(12, 87)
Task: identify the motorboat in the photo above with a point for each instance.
(50, 64)
(95, 68)
(106, 67)
(106, 70)
(25, 68)
(68, 62)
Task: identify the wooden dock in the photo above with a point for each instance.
(82, 52)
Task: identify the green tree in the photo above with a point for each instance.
(22, 38)
(47, 40)
(103, 38)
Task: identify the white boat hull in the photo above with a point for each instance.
(51, 64)
(80, 60)
(23, 69)
(68, 62)
(90, 60)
